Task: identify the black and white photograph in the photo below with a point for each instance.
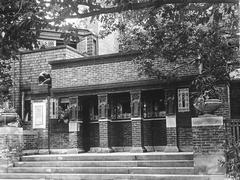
(119, 90)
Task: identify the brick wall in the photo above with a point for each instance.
(155, 133)
(32, 63)
(121, 134)
(37, 61)
(94, 135)
(184, 138)
(103, 70)
(208, 139)
(30, 139)
(59, 140)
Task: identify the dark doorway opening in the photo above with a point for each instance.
(87, 114)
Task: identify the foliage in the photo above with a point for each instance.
(186, 33)
(183, 34)
(11, 153)
(64, 114)
(232, 158)
(61, 9)
(5, 80)
(20, 24)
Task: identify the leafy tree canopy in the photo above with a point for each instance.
(202, 34)
(20, 24)
(183, 31)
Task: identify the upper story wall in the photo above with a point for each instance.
(105, 69)
(32, 63)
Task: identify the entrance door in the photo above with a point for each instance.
(88, 114)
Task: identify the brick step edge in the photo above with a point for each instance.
(12, 176)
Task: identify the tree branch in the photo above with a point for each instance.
(142, 5)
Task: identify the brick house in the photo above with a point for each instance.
(113, 108)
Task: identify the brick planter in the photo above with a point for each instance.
(208, 135)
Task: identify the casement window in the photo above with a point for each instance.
(183, 100)
(153, 104)
(93, 110)
(53, 108)
(64, 103)
(120, 106)
(73, 105)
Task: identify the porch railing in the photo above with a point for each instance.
(233, 129)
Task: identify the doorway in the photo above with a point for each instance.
(88, 114)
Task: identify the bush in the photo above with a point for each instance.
(232, 159)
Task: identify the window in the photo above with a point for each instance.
(93, 110)
(120, 106)
(183, 100)
(53, 108)
(88, 108)
(95, 47)
(153, 104)
(64, 103)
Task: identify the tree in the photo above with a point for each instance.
(178, 31)
(61, 9)
(200, 34)
(20, 25)
(193, 27)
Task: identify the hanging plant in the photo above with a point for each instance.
(64, 115)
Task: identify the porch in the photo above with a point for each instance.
(125, 121)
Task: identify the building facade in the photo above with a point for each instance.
(106, 105)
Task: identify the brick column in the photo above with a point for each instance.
(42, 141)
(171, 123)
(76, 136)
(75, 127)
(137, 127)
(104, 124)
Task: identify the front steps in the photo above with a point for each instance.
(113, 166)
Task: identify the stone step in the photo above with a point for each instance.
(104, 170)
(110, 157)
(44, 176)
(140, 163)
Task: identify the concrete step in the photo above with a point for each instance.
(104, 170)
(110, 157)
(140, 163)
(44, 176)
